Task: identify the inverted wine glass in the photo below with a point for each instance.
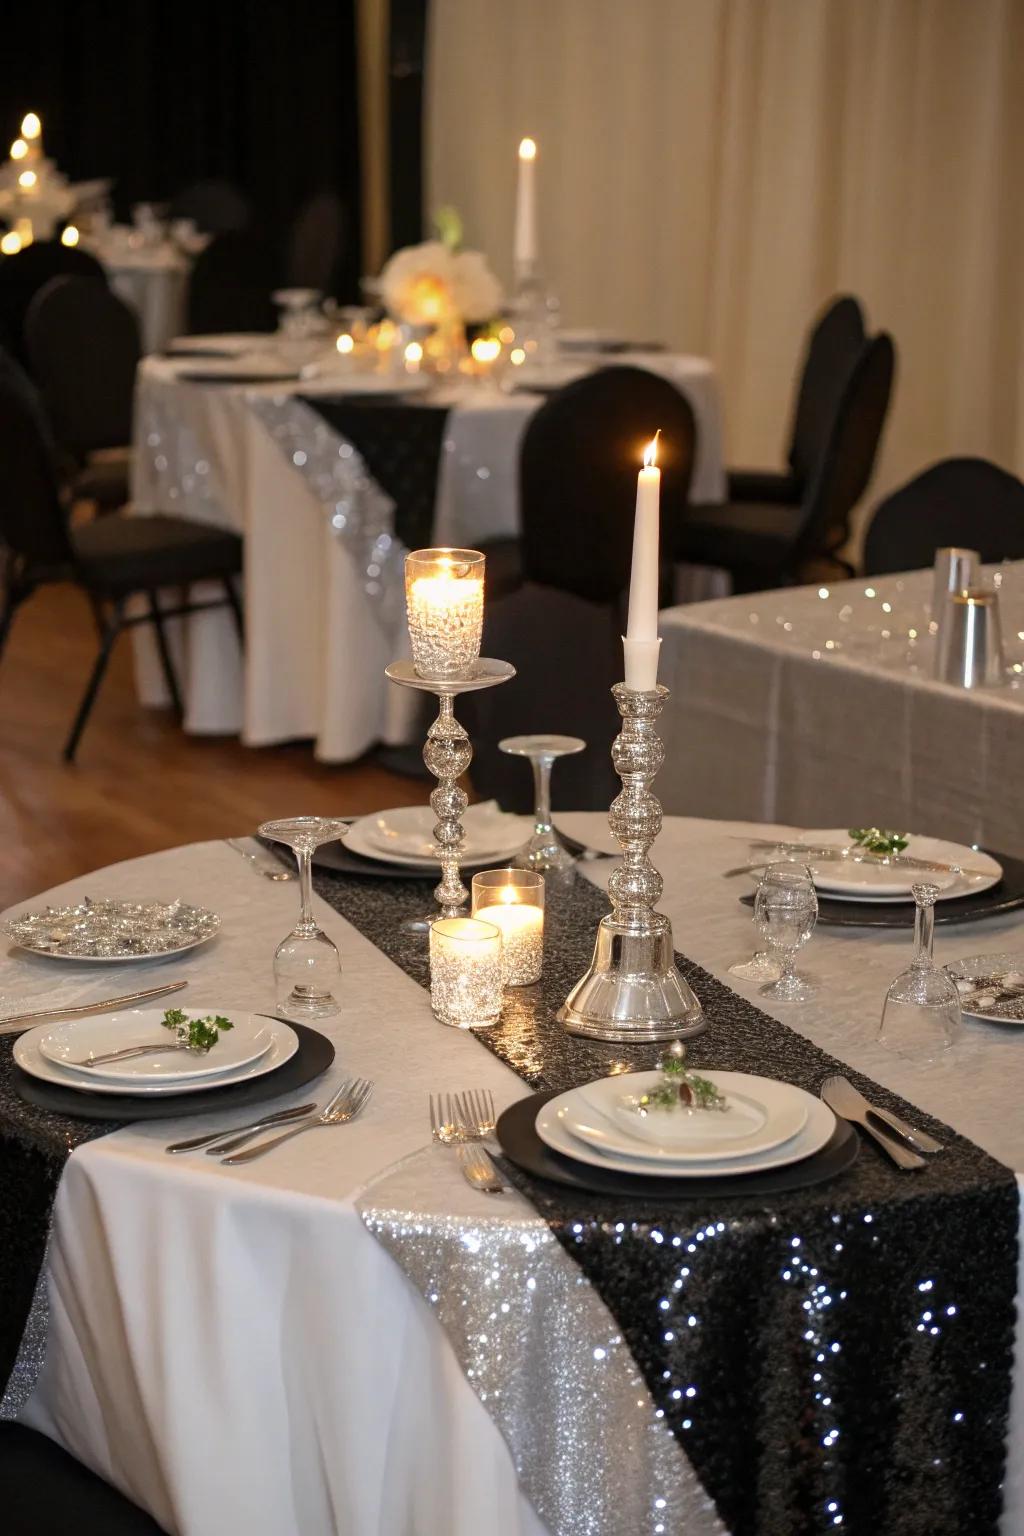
(545, 852)
(306, 964)
(785, 911)
(921, 1018)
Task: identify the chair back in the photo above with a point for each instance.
(957, 502)
(215, 206)
(833, 348)
(83, 348)
(22, 276)
(316, 242)
(32, 521)
(849, 458)
(231, 285)
(577, 478)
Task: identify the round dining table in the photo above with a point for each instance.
(297, 1345)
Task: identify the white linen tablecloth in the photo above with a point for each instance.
(205, 452)
(154, 283)
(232, 1348)
(817, 705)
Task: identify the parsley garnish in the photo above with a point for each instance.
(198, 1034)
(877, 840)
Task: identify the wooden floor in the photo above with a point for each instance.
(139, 783)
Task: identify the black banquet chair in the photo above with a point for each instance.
(215, 206)
(958, 502)
(768, 544)
(562, 628)
(112, 559)
(231, 285)
(316, 243)
(833, 347)
(46, 1492)
(22, 276)
(83, 350)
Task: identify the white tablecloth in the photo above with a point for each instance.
(232, 1348)
(206, 452)
(154, 283)
(818, 705)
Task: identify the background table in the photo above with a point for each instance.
(154, 283)
(817, 705)
(205, 451)
(232, 1348)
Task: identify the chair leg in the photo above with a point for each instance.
(113, 629)
(170, 676)
(236, 609)
(12, 598)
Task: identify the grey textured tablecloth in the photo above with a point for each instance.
(816, 706)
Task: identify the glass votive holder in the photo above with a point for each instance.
(465, 972)
(513, 901)
(444, 600)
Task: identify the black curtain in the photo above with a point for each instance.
(157, 95)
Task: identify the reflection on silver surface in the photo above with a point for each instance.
(113, 930)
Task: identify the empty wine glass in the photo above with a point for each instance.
(545, 852)
(762, 966)
(921, 1017)
(785, 911)
(306, 964)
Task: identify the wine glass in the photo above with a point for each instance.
(306, 964)
(785, 911)
(762, 966)
(545, 852)
(921, 1017)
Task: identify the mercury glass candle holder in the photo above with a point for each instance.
(444, 599)
(513, 901)
(465, 972)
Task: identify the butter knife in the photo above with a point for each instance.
(15, 1023)
(843, 1098)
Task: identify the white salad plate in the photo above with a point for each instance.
(762, 1114)
(871, 881)
(991, 987)
(229, 343)
(75, 1041)
(284, 1043)
(555, 1133)
(404, 835)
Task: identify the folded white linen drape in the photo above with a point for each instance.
(712, 170)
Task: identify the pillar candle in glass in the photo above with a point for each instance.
(513, 900)
(444, 600)
(465, 972)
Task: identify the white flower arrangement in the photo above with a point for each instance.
(432, 284)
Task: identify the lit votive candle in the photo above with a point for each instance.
(465, 972)
(513, 901)
(444, 599)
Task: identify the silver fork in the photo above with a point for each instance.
(446, 1124)
(479, 1171)
(476, 1111)
(346, 1104)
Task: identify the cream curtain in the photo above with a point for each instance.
(712, 170)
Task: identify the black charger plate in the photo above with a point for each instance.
(516, 1132)
(1005, 896)
(314, 1055)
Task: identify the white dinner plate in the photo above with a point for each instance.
(878, 882)
(763, 1115)
(991, 987)
(818, 1128)
(75, 1041)
(327, 376)
(284, 1043)
(229, 344)
(247, 367)
(404, 835)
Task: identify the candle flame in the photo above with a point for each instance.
(345, 343)
(27, 179)
(19, 149)
(527, 149)
(651, 451)
(31, 127)
(69, 235)
(414, 352)
(10, 244)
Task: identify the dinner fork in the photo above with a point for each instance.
(346, 1104)
(479, 1171)
(446, 1120)
(476, 1111)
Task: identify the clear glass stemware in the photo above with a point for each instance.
(306, 963)
(921, 1017)
(762, 966)
(545, 852)
(785, 911)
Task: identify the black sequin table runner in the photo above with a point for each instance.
(833, 1359)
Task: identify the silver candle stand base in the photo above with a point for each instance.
(633, 989)
(448, 752)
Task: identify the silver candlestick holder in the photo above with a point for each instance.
(633, 989)
(448, 752)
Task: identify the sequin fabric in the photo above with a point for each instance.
(837, 1358)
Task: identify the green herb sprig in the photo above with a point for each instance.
(878, 840)
(680, 1086)
(198, 1034)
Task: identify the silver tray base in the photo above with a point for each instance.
(633, 989)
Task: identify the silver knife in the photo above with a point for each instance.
(276, 1117)
(834, 855)
(15, 1023)
(843, 1098)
